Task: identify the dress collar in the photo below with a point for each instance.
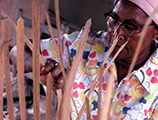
(148, 73)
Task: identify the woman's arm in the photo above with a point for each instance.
(27, 58)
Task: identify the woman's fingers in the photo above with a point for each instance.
(43, 79)
(48, 67)
(59, 84)
(56, 73)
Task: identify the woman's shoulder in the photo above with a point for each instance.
(92, 36)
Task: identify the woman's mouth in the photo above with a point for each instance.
(116, 48)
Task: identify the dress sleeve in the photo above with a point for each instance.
(69, 48)
(95, 49)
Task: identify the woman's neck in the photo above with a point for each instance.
(123, 66)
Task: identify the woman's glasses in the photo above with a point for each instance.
(127, 28)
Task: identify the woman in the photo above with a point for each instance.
(139, 99)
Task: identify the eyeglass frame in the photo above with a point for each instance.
(109, 14)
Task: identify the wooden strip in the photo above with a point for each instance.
(59, 92)
(88, 109)
(6, 118)
(4, 24)
(49, 98)
(89, 93)
(74, 104)
(56, 48)
(3, 45)
(111, 48)
(149, 20)
(133, 61)
(100, 90)
(36, 66)
(96, 82)
(136, 54)
(20, 66)
(114, 57)
(18, 14)
(1, 80)
(107, 98)
(2, 84)
(101, 74)
(68, 84)
(42, 60)
(110, 83)
(57, 15)
(15, 27)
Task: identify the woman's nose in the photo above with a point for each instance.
(119, 30)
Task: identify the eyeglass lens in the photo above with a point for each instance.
(114, 24)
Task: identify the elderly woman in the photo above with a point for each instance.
(139, 99)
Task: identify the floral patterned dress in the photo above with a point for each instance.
(139, 100)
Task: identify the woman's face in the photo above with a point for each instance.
(126, 11)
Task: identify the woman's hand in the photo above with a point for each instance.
(56, 72)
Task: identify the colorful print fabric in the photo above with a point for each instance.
(139, 100)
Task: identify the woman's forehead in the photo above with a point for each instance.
(128, 10)
(127, 6)
(148, 6)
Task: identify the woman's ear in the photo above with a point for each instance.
(156, 33)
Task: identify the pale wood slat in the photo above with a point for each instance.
(36, 67)
(20, 66)
(4, 24)
(1, 80)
